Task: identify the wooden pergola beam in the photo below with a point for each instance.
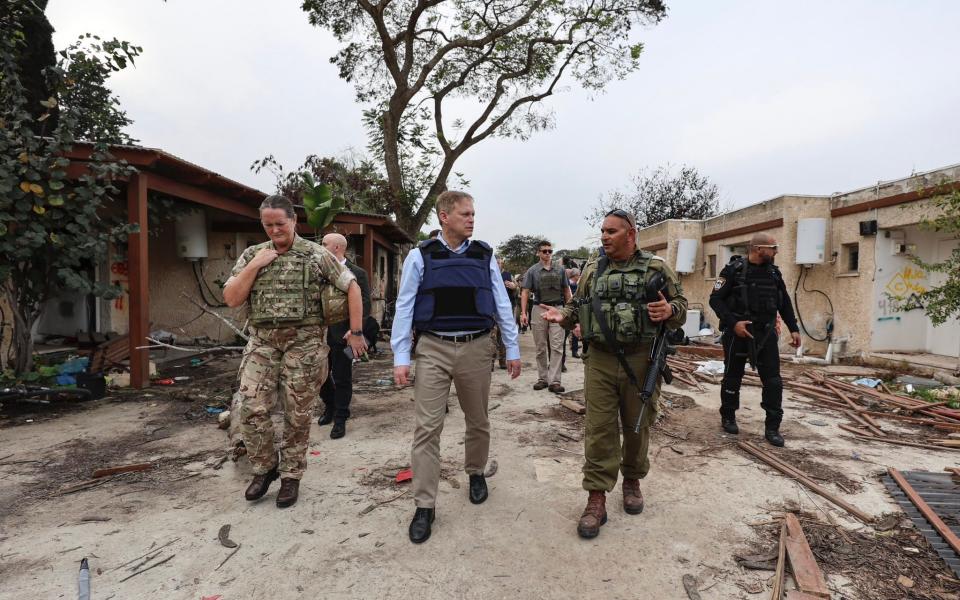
(138, 280)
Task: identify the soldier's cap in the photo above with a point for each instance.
(619, 212)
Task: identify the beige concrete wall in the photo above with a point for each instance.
(171, 277)
(864, 316)
(867, 300)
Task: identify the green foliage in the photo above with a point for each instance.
(662, 194)
(942, 302)
(436, 78)
(319, 205)
(51, 227)
(519, 252)
(87, 64)
(358, 182)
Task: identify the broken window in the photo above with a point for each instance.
(850, 257)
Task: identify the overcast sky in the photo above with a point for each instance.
(764, 97)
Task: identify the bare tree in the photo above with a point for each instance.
(414, 63)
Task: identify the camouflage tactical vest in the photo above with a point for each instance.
(551, 286)
(621, 293)
(286, 293)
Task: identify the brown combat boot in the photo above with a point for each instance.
(632, 497)
(260, 484)
(289, 491)
(594, 515)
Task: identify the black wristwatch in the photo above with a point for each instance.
(356, 333)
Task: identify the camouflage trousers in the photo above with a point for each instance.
(293, 362)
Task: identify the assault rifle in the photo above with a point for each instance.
(657, 366)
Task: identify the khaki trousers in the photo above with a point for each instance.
(467, 365)
(549, 340)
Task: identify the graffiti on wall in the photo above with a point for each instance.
(908, 280)
(120, 268)
(902, 293)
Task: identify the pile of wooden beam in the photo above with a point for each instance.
(864, 406)
(803, 566)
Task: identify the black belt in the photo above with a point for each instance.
(561, 303)
(459, 339)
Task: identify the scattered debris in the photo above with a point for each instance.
(803, 566)
(157, 564)
(573, 405)
(224, 536)
(122, 469)
(229, 556)
(371, 507)
(690, 585)
(927, 492)
(404, 475)
(803, 478)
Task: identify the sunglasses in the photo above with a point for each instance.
(770, 246)
(619, 212)
(547, 251)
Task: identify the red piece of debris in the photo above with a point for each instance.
(314, 453)
(404, 475)
(167, 381)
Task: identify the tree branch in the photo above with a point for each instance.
(472, 43)
(386, 42)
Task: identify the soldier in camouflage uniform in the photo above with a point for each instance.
(294, 288)
(613, 403)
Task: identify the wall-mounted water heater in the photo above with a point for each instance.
(811, 241)
(686, 255)
(191, 233)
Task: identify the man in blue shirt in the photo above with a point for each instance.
(452, 294)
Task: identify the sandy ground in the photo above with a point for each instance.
(702, 496)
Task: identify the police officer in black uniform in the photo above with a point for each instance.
(747, 296)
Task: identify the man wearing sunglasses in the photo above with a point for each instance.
(622, 299)
(548, 282)
(747, 297)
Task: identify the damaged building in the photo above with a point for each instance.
(848, 260)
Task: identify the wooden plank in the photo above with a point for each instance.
(573, 405)
(122, 469)
(857, 418)
(803, 565)
(886, 440)
(803, 478)
(777, 592)
(927, 512)
(798, 595)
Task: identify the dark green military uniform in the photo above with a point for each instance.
(613, 402)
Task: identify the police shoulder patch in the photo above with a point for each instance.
(719, 283)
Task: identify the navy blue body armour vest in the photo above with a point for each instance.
(456, 293)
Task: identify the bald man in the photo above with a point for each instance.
(337, 391)
(747, 297)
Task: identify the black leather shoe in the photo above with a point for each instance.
(339, 430)
(478, 489)
(325, 419)
(420, 525)
(540, 385)
(774, 437)
(730, 426)
(289, 492)
(260, 484)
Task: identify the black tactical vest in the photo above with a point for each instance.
(756, 291)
